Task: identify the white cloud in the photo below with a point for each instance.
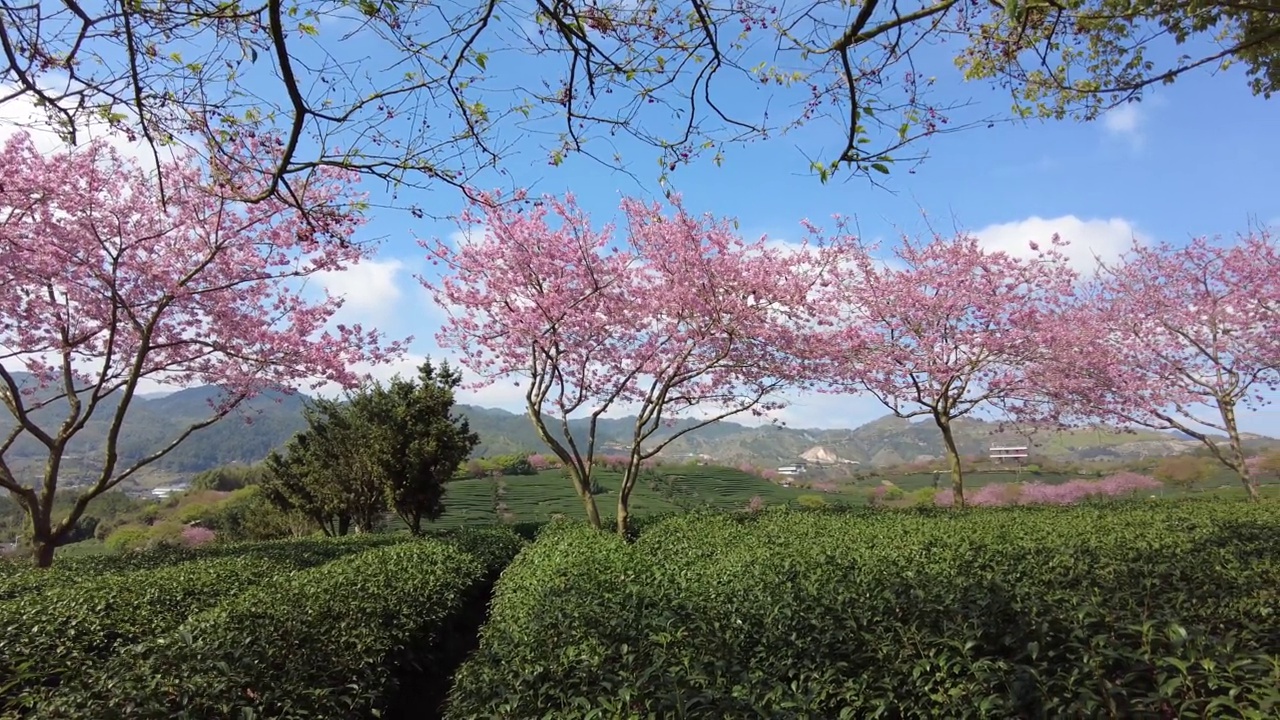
(1095, 238)
(1128, 123)
(504, 394)
(370, 288)
(821, 411)
(21, 114)
(1125, 119)
(459, 238)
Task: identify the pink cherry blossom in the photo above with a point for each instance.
(682, 316)
(104, 283)
(1069, 493)
(1179, 338)
(945, 328)
(195, 535)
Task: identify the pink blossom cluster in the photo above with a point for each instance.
(540, 462)
(194, 535)
(825, 486)
(1068, 493)
(879, 492)
(618, 463)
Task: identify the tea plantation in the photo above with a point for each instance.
(535, 498)
(1141, 609)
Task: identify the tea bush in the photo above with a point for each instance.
(494, 547)
(20, 579)
(1145, 610)
(375, 631)
(68, 626)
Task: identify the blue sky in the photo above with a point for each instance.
(1193, 158)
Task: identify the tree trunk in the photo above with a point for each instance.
(1228, 410)
(629, 479)
(953, 457)
(43, 552)
(582, 484)
(593, 512)
(344, 524)
(44, 541)
(624, 514)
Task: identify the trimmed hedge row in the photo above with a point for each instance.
(56, 633)
(379, 631)
(78, 613)
(18, 580)
(1154, 610)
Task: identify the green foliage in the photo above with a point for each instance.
(1076, 58)
(811, 502)
(538, 498)
(1146, 609)
(228, 477)
(128, 537)
(494, 547)
(248, 515)
(509, 464)
(924, 497)
(65, 629)
(420, 442)
(389, 447)
(346, 639)
(101, 516)
(1185, 471)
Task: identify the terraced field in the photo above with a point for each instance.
(538, 497)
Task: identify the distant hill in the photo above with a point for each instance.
(154, 420)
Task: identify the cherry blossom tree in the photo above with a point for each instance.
(1181, 338)
(102, 286)
(686, 317)
(945, 328)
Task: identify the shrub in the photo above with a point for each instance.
(340, 640)
(128, 537)
(494, 547)
(195, 536)
(165, 534)
(247, 514)
(811, 502)
(924, 497)
(885, 492)
(292, 554)
(70, 627)
(1143, 610)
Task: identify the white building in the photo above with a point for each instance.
(164, 491)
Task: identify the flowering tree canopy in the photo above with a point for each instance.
(102, 285)
(1180, 338)
(686, 317)
(945, 328)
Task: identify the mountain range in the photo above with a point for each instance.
(154, 420)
